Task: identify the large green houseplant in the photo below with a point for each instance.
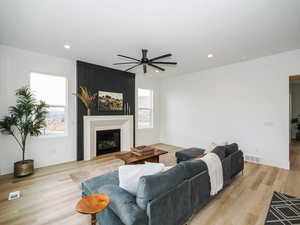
(27, 118)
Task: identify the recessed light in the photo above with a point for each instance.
(210, 56)
(67, 46)
(157, 71)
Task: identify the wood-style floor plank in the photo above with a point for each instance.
(50, 195)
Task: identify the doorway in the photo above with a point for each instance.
(294, 117)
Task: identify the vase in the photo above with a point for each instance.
(88, 112)
(23, 168)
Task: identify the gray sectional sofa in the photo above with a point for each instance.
(166, 198)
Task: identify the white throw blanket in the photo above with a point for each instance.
(215, 172)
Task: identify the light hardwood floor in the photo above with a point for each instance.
(50, 195)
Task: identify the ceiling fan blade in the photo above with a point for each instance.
(125, 63)
(159, 57)
(133, 67)
(144, 53)
(157, 67)
(145, 68)
(170, 63)
(129, 57)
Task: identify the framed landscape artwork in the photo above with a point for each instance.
(110, 101)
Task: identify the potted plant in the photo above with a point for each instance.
(86, 98)
(27, 118)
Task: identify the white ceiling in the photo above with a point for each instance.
(98, 30)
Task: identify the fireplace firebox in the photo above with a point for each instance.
(108, 141)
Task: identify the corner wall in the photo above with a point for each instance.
(15, 68)
(247, 103)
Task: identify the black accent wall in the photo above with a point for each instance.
(99, 78)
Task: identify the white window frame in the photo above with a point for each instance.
(144, 108)
(65, 133)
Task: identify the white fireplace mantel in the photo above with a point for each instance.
(96, 123)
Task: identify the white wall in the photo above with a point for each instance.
(247, 103)
(148, 136)
(15, 68)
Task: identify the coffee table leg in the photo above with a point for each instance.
(94, 220)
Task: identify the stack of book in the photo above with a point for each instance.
(142, 150)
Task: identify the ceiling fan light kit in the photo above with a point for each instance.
(144, 61)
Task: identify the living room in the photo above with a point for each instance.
(182, 81)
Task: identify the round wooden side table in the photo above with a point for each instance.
(92, 204)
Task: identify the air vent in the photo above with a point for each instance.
(251, 158)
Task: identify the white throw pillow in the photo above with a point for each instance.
(129, 175)
(167, 168)
(156, 164)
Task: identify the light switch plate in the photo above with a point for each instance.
(269, 124)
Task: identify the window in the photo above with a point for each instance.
(52, 90)
(145, 108)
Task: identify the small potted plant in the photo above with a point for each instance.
(27, 118)
(86, 98)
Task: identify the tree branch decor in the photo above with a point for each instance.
(86, 98)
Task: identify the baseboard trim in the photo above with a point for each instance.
(278, 164)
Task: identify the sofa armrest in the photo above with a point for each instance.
(237, 163)
(123, 204)
(91, 185)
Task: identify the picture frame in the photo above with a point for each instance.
(110, 101)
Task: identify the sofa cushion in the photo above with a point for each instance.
(123, 204)
(226, 163)
(129, 175)
(152, 186)
(193, 167)
(220, 151)
(188, 154)
(231, 149)
(90, 186)
(172, 207)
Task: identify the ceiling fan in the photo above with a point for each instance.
(146, 62)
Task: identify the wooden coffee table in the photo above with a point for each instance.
(130, 158)
(92, 204)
